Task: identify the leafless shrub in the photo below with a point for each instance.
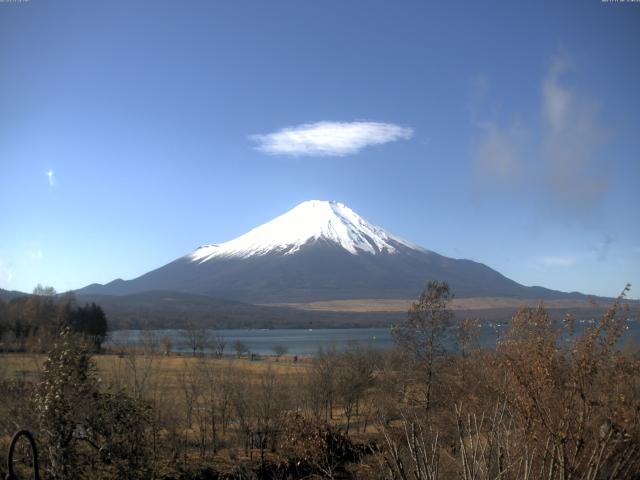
(314, 447)
(572, 398)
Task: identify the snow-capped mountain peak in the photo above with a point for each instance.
(309, 221)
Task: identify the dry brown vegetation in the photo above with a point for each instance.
(547, 403)
(472, 303)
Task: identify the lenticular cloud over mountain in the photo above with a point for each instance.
(329, 138)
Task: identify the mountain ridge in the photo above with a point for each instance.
(312, 220)
(319, 251)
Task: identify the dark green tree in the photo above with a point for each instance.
(89, 321)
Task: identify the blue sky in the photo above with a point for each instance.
(505, 132)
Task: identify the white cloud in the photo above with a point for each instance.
(576, 174)
(557, 159)
(329, 138)
(559, 261)
(51, 178)
(498, 152)
(557, 98)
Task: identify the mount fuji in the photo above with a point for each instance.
(319, 251)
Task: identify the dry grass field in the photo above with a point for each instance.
(340, 414)
(179, 388)
(169, 368)
(364, 305)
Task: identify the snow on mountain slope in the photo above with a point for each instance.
(310, 220)
(318, 251)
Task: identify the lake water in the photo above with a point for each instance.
(306, 342)
(296, 341)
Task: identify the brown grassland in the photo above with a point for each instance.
(549, 402)
(473, 303)
(166, 367)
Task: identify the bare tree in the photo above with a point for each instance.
(270, 404)
(167, 345)
(414, 454)
(242, 401)
(215, 398)
(139, 363)
(354, 376)
(197, 339)
(202, 407)
(321, 384)
(188, 382)
(240, 348)
(422, 334)
(280, 350)
(219, 344)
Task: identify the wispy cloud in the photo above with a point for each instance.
(34, 254)
(329, 138)
(556, 159)
(557, 98)
(601, 249)
(498, 154)
(558, 261)
(577, 177)
(6, 273)
(51, 178)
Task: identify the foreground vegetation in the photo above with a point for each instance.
(548, 403)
